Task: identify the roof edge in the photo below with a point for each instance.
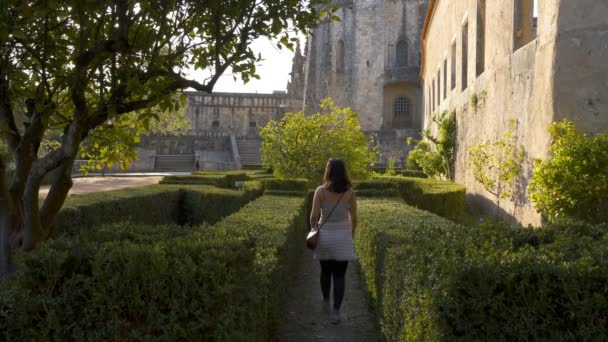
(425, 30)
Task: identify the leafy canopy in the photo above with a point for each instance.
(572, 184)
(75, 70)
(299, 146)
(435, 155)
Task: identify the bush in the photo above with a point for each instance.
(291, 185)
(444, 198)
(224, 180)
(180, 289)
(298, 145)
(572, 185)
(431, 279)
(154, 204)
(135, 282)
(275, 227)
(412, 173)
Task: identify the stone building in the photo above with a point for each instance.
(225, 128)
(370, 61)
(534, 61)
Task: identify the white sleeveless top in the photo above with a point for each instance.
(335, 237)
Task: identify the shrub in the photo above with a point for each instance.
(154, 204)
(184, 288)
(497, 164)
(412, 173)
(572, 184)
(431, 279)
(223, 180)
(135, 282)
(298, 145)
(275, 227)
(435, 154)
(291, 185)
(444, 198)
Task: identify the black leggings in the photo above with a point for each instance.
(337, 269)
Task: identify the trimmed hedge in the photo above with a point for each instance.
(153, 204)
(276, 184)
(446, 199)
(135, 282)
(275, 227)
(431, 279)
(222, 180)
(402, 172)
(178, 289)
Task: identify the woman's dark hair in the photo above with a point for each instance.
(335, 178)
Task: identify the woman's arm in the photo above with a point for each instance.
(316, 209)
(353, 213)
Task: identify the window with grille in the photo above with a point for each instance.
(402, 107)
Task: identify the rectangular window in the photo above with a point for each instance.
(481, 36)
(525, 17)
(453, 67)
(433, 102)
(438, 87)
(465, 55)
(445, 78)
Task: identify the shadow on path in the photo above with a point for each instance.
(305, 320)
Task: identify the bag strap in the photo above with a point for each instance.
(332, 210)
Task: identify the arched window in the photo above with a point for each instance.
(401, 53)
(340, 56)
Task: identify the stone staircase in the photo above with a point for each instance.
(249, 151)
(174, 163)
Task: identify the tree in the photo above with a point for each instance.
(115, 143)
(76, 66)
(497, 164)
(435, 155)
(299, 146)
(572, 184)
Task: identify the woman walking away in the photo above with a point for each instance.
(335, 209)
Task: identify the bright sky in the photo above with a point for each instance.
(274, 71)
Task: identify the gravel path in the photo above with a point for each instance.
(85, 185)
(305, 320)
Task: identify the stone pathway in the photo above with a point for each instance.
(85, 185)
(305, 320)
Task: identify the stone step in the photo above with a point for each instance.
(249, 151)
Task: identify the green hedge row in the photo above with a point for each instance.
(433, 280)
(186, 288)
(138, 282)
(154, 204)
(222, 180)
(402, 172)
(275, 227)
(446, 199)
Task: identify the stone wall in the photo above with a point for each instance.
(355, 59)
(241, 114)
(366, 61)
(558, 74)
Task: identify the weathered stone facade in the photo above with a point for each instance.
(495, 60)
(370, 61)
(240, 114)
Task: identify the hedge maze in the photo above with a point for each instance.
(194, 259)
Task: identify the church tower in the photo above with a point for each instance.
(370, 61)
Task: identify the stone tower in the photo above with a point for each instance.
(370, 61)
(295, 86)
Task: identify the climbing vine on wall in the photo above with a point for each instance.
(497, 164)
(435, 154)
